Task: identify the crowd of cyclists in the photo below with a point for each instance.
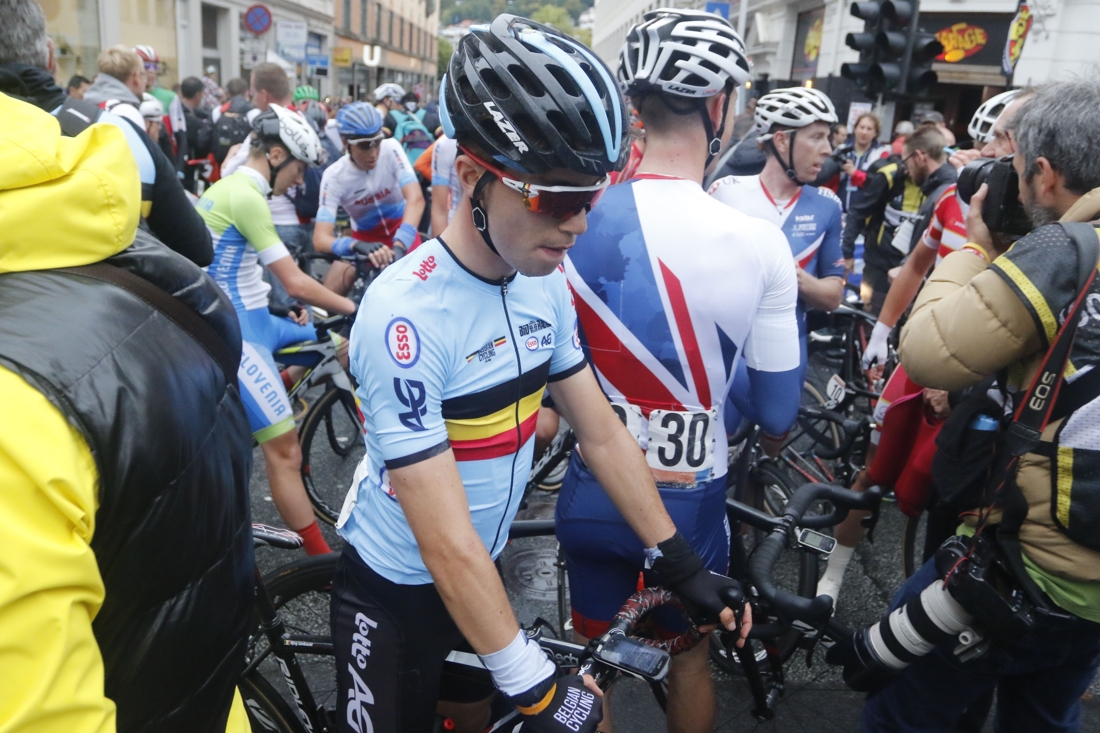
(549, 237)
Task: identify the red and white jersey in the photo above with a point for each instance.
(671, 288)
(946, 231)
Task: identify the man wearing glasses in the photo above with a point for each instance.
(453, 351)
(377, 186)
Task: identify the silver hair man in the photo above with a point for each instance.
(23, 34)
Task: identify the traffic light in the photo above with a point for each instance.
(895, 56)
(866, 43)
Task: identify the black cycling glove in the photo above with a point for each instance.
(561, 705)
(681, 569)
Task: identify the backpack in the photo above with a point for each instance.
(231, 128)
(411, 133)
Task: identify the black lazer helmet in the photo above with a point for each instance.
(533, 100)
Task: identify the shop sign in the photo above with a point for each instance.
(969, 39)
(960, 41)
(291, 39)
(341, 56)
(257, 19)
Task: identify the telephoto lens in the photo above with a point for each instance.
(972, 176)
(874, 655)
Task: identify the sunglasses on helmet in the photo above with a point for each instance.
(559, 202)
(365, 144)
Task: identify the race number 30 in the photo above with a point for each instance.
(681, 441)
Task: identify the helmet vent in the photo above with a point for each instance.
(564, 80)
(466, 90)
(496, 87)
(530, 132)
(526, 80)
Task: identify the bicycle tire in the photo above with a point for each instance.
(267, 711)
(820, 432)
(328, 478)
(299, 591)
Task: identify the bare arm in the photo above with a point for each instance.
(435, 505)
(301, 286)
(324, 234)
(908, 282)
(414, 204)
(613, 456)
(441, 206)
(821, 293)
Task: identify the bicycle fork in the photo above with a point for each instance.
(283, 647)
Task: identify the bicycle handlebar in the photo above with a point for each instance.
(851, 428)
(764, 559)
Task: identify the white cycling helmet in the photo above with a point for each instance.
(792, 108)
(981, 124)
(389, 90)
(151, 108)
(688, 53)
(685, 53)
(292, 130)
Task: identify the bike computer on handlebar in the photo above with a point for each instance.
(632, 656)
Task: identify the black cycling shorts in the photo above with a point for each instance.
(391, 642)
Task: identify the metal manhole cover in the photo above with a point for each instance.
(533, 573)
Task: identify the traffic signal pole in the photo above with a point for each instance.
(910, 41)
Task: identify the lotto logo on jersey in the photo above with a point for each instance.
(427, 267)
(403, 342)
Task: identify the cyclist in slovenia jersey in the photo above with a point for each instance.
(245, 241)
(452, 363)
(946, 233)
(377, 186)
(793, 128)
(664, 323)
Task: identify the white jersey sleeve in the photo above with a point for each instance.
(773, 342)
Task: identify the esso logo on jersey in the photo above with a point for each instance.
(403, 342)
(532, 344)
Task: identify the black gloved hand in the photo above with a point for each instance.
(862, 672)
(561, 705)
(681, 569)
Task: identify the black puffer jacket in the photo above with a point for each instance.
(173, 454)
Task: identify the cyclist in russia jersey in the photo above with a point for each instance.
(375, 199)
(811, 222)
(442, 364)
(245, 241)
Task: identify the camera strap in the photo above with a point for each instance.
(1039, 405)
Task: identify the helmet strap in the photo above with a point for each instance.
(275, 169)
(788, 165)
(714, 137)
(480, 216)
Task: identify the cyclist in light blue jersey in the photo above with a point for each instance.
(462, 338)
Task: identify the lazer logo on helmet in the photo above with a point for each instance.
(506, 127)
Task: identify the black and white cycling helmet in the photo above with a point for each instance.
(685, 53)
(790, 109)
(292, 131)
(981, 124)
(533, 99)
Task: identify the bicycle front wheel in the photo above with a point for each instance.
(332, 446)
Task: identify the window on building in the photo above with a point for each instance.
(378, 22)
(209, 26)
(347, 15)
(363, 18)
(401, 33)
(389, 32)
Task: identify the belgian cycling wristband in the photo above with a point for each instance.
(519, 667)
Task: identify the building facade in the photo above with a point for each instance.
(190, 36)
(379, 41)
(793, 43)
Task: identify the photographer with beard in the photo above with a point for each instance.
(986, 311)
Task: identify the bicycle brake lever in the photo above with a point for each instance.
(815, 641)
(870, 522)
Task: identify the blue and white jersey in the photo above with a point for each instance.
(672, 288)
(444, 172)
(447, 360)
(373, 199)
(811, 222)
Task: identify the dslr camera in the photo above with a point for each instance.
(1001, 211)
(977, 601)
(840, 153)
